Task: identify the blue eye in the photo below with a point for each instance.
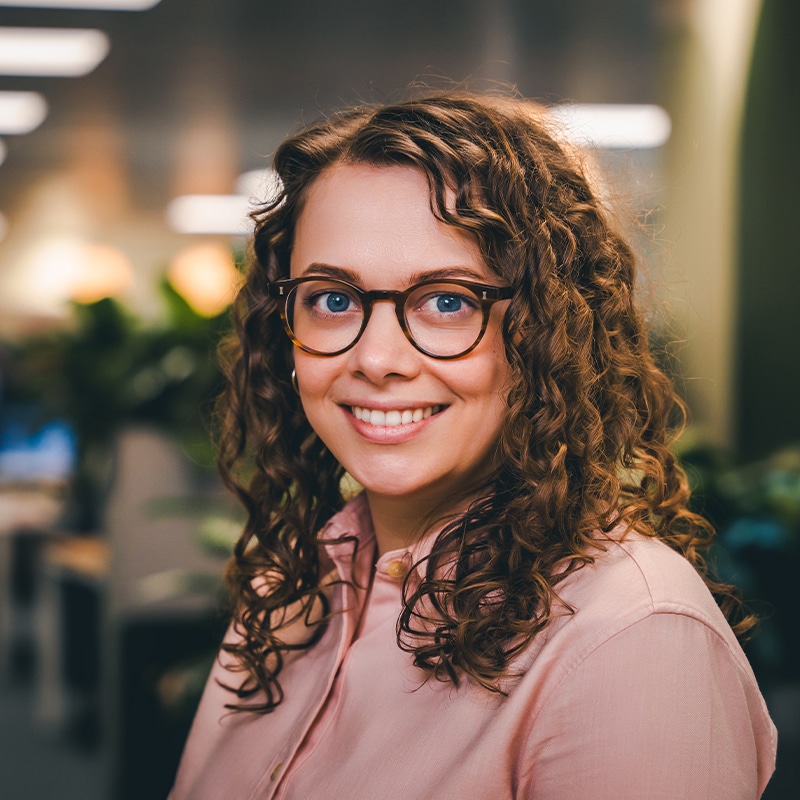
(448, 303)
(443, 304)
(337, 303)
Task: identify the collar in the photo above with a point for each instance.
(347, 530)
(351, 527)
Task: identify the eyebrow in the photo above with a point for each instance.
(329, 271)
(351, 276)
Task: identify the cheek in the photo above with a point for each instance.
(311, 371)
(315, 376)
(482, 383)
(495, 407)
(497, 368)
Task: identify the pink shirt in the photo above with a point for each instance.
(642, 694)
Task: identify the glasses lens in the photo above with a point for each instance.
(324, 315)
(444, 319)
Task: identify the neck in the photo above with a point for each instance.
(399, 522)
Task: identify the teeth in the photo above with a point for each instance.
(391, 419)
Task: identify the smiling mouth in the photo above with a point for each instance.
(394, 418)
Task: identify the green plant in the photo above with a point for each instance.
(109, 369)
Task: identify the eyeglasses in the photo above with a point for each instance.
(442, 319)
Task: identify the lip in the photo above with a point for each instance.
(394, 417)
(394, 434)
(390, 405)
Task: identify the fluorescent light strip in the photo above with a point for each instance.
(101, 5)
(613, 127)
(68, 52)
(210, 213)
(260, 185)
(21, 112)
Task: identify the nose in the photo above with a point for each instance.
(383, 352)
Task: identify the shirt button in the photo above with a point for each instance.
(276, 771)
(397, 569)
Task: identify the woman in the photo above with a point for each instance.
(515, 605)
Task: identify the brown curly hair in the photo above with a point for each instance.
(585, 444)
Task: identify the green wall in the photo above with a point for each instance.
(769, 270)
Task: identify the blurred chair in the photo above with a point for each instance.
(27, 509)
(158, 607)
(68, 639)
(117, 610)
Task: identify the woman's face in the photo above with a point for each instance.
(374, 226)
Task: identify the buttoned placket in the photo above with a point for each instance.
(347, 604)
(385, 597)
(381, 599)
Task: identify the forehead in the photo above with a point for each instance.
(377, 222)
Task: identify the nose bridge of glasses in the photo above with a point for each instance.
(393, 296)
(383, 294)
(369, 299)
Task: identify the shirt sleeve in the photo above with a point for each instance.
(665, 710)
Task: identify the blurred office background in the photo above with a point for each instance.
(130, 155)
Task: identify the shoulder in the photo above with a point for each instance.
(645, 672)
(636, 577)
(637, 582)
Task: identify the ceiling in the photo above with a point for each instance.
(194, 92)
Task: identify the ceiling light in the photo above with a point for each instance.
(51, 51)
(21, 112)
(210, 213)
(104, 5)
(630, 127)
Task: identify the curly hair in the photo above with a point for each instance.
(585, 443)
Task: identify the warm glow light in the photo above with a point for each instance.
(21, 112)
(210, 213)
(51, 51)
(104, 272)
(630, 127)
(205, 276)
(47, 272)
(104, 5)
(3, 227)
(63, 268)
